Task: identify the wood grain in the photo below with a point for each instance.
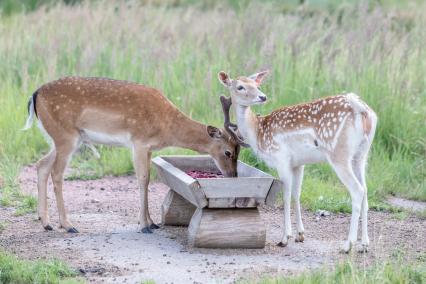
(227, 228)
(176, 210)
(221, 202)
(256, 187)
(276, 187)
(187, 163)
(180, 182)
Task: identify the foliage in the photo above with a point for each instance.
(16, 271)
(314, 50)
(348, 273)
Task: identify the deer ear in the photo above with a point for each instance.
(224, 78)
(258, 77)
(214, 132)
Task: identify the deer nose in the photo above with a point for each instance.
(262, 98)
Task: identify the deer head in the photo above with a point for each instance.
(245, 90)
(224, 150)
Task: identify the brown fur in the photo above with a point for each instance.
(366, 123)
(69, 107)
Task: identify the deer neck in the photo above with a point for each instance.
(247, 124)
(190, 134)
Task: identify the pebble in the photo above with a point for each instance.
(322, 213)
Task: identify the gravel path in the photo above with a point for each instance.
(109, 249)
(418, 206)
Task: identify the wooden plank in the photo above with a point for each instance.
(194, 226)
(221, 203)
(236, 187)
(176, 210)
(245, 170)
(227, 228)
(276, 187)
(205, 162)
(180, 182)
(251, 183)
(186, 163)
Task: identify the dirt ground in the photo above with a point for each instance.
(109, 249)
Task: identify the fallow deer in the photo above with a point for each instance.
(75, 110)
(338, 130)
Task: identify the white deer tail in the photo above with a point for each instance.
(31, 112)
(368, 118)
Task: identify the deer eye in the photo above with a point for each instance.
(240, 88)
(228, 154)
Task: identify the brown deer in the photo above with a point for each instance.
(338, 130)
(73, 111)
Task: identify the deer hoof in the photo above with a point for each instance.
(299, 238)
(363, 248)
(146, 230)
(48, 228)
(154, 226)
(281, 244)
(347, 246)
(72, 230)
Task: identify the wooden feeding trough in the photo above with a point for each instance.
(220, 212)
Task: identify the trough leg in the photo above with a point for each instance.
(227, 228)
(176, 211)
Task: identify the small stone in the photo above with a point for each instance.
(322, 213)
(95, 201)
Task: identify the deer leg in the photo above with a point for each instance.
(141, 161)
(44, 167)
(63, 156)
(358, 165)
(356, 190)
(296, 190)
(286, 175)
(151, 223)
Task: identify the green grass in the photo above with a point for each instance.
(16, 271)
(373, 48)
(317, 50)
(348, 273)
(27, 204)
(3, 226)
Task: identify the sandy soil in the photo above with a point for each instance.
(407, 204)
(109, 249)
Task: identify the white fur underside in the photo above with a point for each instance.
(91, 136)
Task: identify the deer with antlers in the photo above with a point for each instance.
(338, 130)
(73, 111)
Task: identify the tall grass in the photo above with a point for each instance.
(15, 271)
(348, 273)
(312, 51)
